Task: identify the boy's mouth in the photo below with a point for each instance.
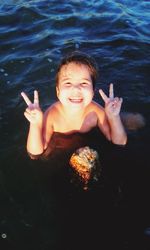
(75, 100)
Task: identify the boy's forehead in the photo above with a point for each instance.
(70, 69)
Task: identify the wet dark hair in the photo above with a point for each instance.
(79, 58)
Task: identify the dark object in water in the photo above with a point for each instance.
(85, 162)
(132, 121)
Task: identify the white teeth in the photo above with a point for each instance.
(75, 100)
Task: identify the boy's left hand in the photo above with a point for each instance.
(112, 104)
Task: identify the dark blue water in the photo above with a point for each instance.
(34, 195)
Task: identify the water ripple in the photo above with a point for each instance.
(34, 33)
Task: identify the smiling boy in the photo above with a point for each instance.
(75, 110)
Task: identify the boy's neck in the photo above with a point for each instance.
(73, 113)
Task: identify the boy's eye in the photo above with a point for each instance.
(68, 83)
(84, 83)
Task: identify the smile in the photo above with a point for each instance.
(75, 100)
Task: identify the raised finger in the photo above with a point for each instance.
(36, 97)
(111, 91)
(104, 96)
(26, 99)
(31, 110)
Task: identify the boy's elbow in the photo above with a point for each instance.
(124, 142)
(120, 141)
(34, 156)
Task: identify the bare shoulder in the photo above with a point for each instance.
(97, 108)
(100, 112)
(52, 110)
(102, 119)
(50, 114)
(48, 123)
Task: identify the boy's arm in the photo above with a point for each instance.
(103, 123)
(35, 140)
(112, 111)
(47, 127)
(42, 133)
(34, 115)
(117, 131)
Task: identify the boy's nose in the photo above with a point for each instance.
(76, 88)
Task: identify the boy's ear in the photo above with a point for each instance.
(57, 91)
(93, 93)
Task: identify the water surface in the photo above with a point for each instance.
(34, 35)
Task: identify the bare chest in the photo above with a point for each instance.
(69, 124)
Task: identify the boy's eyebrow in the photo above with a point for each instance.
(86, 79)
(67, 78)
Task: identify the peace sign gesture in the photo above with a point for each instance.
(112, 104)
(33, 112)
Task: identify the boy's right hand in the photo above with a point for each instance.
(33, 112)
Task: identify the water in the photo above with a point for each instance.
(34, 35)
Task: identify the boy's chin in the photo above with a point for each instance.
(77, 105)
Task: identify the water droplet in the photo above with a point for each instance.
(49, 60)
(77, 46)
(4, 236)
(6, 74)
(2, 70)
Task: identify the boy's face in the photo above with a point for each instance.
(75, 88)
